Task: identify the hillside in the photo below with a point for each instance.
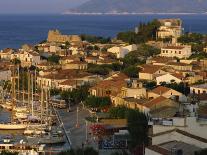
(142, 6)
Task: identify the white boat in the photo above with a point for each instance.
(6, 106)
(12, 126)
(21, 115)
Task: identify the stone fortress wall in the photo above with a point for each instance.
(56, 36)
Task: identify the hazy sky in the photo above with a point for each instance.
(37, 6)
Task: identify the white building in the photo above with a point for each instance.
(181, 51)
(168, 78)
(198, 89)
(171, 135)
(121, 51)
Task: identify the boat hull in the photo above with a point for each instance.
(12, 126)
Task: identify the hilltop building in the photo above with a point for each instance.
(56, 36)
(170, 28)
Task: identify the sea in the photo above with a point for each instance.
(16, 30)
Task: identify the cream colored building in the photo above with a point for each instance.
(198, 89)
(170, 28)
(121, 51)
(179, 51)
(166, 92)
(169, 77)
(150, 72)
(79, 65)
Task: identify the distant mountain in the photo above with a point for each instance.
(141, 6)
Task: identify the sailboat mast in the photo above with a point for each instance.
(28, 87)
(32, 95)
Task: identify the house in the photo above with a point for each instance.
(170, 28)
(169, 77)
(170, 136)
(150, 72)
(160, 61)
(162, 107)
(68, 85)
(121, 51)
(55, 78)
(166, 92)
(79, 65)
(68, 59)
(27, 58)
(6, 54)
(180, 66)
(198, 89)
(91, 59)
(179, 51)
(109, 86)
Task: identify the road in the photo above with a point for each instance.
(77, 134)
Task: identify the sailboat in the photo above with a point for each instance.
(13, 125)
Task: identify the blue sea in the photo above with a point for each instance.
(16, 30)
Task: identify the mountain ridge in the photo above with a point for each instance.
(141, 6)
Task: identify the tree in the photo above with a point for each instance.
(137, 124)
(76, 95)
(54, 59)
(16, 61)
(131, 71)
(147, 31)
(97, 102)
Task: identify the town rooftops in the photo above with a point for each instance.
(160, 90)
(174, 47)
(147, 68)
(204, 86)
(155, 101)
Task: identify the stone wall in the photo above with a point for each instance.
(56, 36)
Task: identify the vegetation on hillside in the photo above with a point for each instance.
(147, 31)
(95, 39)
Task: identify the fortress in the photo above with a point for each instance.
(56, 36)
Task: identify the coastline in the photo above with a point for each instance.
(127, 13)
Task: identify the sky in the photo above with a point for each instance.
(37, 6)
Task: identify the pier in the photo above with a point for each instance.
(63, 126)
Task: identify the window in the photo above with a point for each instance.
(204, 92)
(179, 52)
(199, 91)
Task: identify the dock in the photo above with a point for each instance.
(63, 126)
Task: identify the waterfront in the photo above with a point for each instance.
(16, 30)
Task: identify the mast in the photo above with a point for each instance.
(13, 94)
(28, 87)
(32, 95)
(23, 88)
(18, 84)
(42, 98)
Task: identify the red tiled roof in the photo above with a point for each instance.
(155, 101)
(160, 90)
(146, 68)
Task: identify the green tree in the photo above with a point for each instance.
(76, 95)
(137, 124)
(97, 102)
(131, 71)
(54, 59)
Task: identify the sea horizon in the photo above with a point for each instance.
(18, 29)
